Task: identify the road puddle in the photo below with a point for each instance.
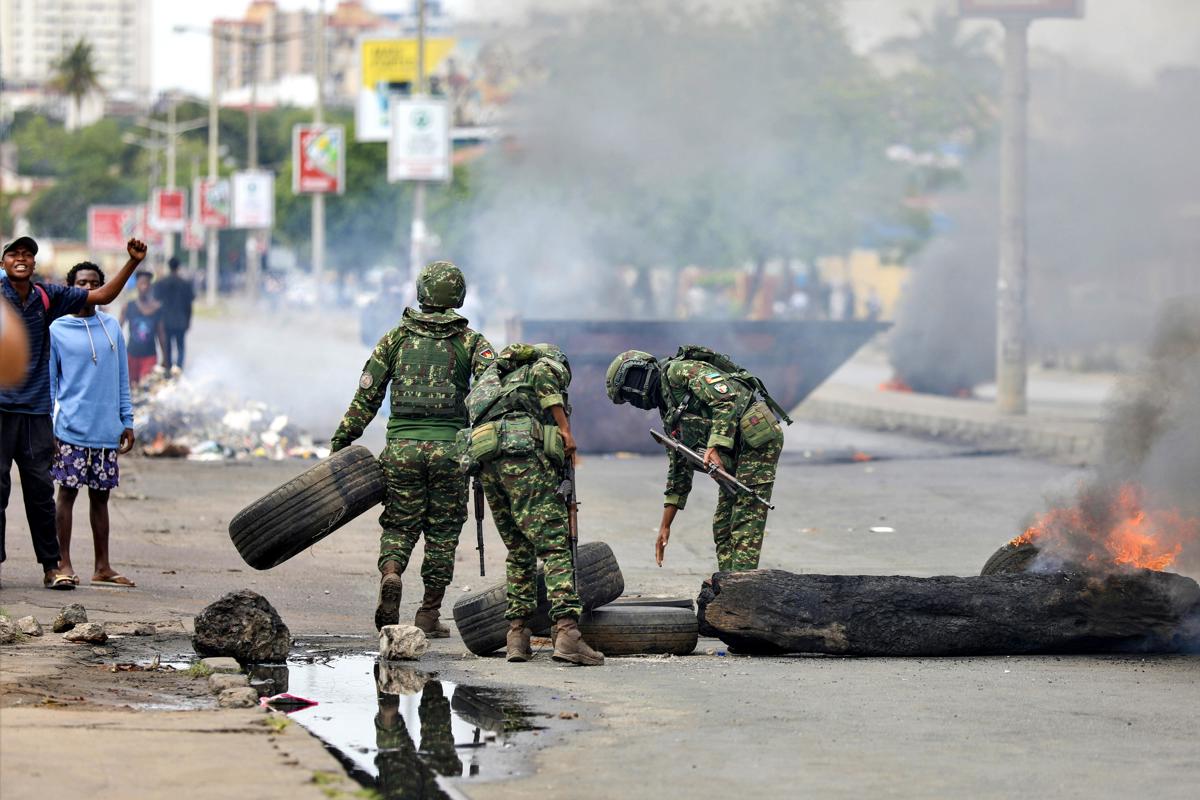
(397, 730)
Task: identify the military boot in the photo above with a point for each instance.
(429, 612)
(387, 612)
(518, 641)
(569, 645)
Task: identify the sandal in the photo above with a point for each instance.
(59, 582)
(115, 580)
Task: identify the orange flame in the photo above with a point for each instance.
(1117, 530)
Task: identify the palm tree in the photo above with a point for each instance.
(76, 75)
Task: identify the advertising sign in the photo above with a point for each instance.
(318, 158)
(193, 235)
(168, 209)
(388, 67)
(1020, 8)
(419, 147)
(110, 227)
(212, 202)
(253, 199)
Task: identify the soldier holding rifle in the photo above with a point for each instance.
(716, 423)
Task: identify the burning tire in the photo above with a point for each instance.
(624, 630)
(479, 616)
(1010, 559)
(307, 508)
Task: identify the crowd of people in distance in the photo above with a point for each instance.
(65, 407)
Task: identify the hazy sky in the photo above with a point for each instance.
(1133, 37)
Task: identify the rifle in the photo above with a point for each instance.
(477, 488)
(727, 482)
(566, 491)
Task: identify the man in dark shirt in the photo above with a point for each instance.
(176, 295)
(26, 431)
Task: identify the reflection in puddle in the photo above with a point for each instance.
(395, 729)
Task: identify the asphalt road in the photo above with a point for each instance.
(707, 723)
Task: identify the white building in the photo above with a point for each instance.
(35, 34)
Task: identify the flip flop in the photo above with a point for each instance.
(73, 578)
(115, 580)
(59, 582)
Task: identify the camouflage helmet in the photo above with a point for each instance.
(441, 285)
(633, 377)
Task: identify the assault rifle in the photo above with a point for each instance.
(477, 487)
(566, 491)
(727, 482)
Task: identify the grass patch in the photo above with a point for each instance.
(198, 670)
(278, 724)
(330, 784)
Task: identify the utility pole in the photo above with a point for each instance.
(318, 198)
(416, 252)
(193, 253)
(211, 269)
(170, 131)
(257, 237)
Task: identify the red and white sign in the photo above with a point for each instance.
(213, 202)
(110, 227)
(318, 158)
(168, 210)
(1020, 8)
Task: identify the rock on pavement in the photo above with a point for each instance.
(88, 632)
(242, 625)
(29, 626)
(239, 697)
(401, 642)
(69, 617)
(8, 630)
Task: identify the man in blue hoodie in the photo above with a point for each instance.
(26, 432)
(93, 419)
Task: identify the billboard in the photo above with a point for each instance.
(212, 202)
(168, 209)
(110, 227)
(1020, 8)
(389, 67)
(318, 158)
(419, 147)
(253, 199)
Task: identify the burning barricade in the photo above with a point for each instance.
(177, 417)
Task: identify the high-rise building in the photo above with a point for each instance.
(35, 34)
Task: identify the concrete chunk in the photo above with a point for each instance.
(401, 642)
(222, 664)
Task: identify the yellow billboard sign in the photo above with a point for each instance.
(395, 60)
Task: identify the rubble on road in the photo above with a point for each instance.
(240, 697)
(87, 633)
(29, 626)
(70, 616)
(244, 626)
(401, 642)
(8, 630)
(202, 421)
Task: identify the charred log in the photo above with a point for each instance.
(771, 611)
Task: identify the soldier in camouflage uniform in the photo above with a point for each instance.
(428, 360)
(704, 407)
(521, 436)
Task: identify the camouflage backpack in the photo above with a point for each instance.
(722, 362)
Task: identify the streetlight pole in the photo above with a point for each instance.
(318, 198)
(170, 131)
(417, 231)
(211, 252)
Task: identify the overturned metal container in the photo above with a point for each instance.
(791, 357)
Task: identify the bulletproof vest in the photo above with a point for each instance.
(430, 377)
(722, 362)
(497, 394)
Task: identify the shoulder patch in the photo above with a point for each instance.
(712, 377)
(366, 381)
(487, 354)
(722, 388)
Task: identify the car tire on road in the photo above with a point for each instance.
(479, 616)
(1010, 559)
(308, 508)
(625, 630)
(651, 600)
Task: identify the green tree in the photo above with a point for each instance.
(76, 76)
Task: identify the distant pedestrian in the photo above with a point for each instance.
(874, 306)
(93, 420)
(176, 295)
(147, 332)
(26, 431)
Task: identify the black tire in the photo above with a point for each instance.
(308, 508)
(479, 616)
(651, 600)
(1010, 559)
(624, 630)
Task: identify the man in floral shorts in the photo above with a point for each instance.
(93, 419)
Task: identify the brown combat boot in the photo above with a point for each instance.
(387, 612)
(518, 641)
(428, 614)
(569, 645)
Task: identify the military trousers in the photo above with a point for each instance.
(532, 521)
(426, 495)
(740, 522)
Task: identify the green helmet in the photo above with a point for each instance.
(633, 377)
(441, 285)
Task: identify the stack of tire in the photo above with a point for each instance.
(614, 625)
(317, 502)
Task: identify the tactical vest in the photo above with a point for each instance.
(430, 377)
(678, 407)
(497, 394)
